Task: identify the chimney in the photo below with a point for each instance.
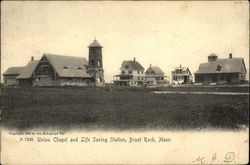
(150, 65)
(32, 58)
(230, 55)
(180, 65)
(134, 59)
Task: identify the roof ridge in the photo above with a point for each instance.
(62, 55)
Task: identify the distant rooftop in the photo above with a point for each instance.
(14, 70)
(227, 65)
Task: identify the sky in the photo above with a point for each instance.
(164, 34)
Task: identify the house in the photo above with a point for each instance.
(26, 76)
(60, 70)
(155, 76)
(227, 70)
(10, 75)
(132, 74)
(181, 75)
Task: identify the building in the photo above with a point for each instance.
(59, 70)
(154, 76)
(26, 76)
(228, 70)
(182, 75)
(10, 75)
(132, 74)
(95, 64)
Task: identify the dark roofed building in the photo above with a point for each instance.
(228, 70)
(10, 75)
(155, 76)
(57, 70)
(132, 74)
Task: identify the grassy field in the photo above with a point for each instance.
(122, 108)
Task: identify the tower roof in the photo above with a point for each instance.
(212, 54)
(95, 44)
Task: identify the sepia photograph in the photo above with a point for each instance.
(124, 82)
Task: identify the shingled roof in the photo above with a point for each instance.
(68, 66)
(228, 65)
(14, 71)
(157, 70)
(28, 70)
(95, 44)
(132, 65)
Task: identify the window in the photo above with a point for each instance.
(123, 72)
(130, 72)
(141, 72)
(138, 72)
(65, 67)
(46, 69)
(218, 68)
(152, 72)
(99, 63)
(79, 68)
(92, 62)
(126, 66)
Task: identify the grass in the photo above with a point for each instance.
(121, 108)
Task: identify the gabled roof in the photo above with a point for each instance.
(157, 70)
(181, 68)
(95, 44)
(184, 70)
(68, 66)
(228, 65)
(14, 70)
(28, 70)
(132, 65)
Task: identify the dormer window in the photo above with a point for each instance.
(79, 68)
(65, 67)
(218, 68)
(126, 66)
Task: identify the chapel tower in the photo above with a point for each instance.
(95, 67)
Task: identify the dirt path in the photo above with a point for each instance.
(200, 93)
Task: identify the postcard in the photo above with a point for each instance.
(124, 82)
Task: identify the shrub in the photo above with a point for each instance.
(229, 116)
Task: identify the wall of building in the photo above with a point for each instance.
(10, 80)
(25, 82)
(218, 78)
(49, 81)
(98, 75)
